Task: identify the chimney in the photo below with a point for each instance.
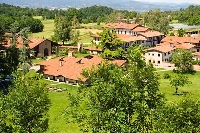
(70, 53)
(80, 47)
(61, 61)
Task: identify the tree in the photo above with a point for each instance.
(111, 44)
(116, 100)
(181, 32)
(181, 117)
(62, 29)
(180, 80)
(27, 104)
(157, 21)
(183, 61)
(75, 34)
(24, 51)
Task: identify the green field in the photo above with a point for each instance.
(59, 100)
(48, 30)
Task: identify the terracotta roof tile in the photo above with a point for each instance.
(181, 39)
(140, 29)
(151, 34)
(121, 26)
(33, 42)
(196, 54)
(130, 38)
(72, 67)
(163, 48)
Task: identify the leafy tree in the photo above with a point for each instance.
(24, 51)
(181, 32)
(116, 100)
(157, 21)
(27, 104)
(183, 61)
(75, 34)
(180, 80)
(111, 44)
(62, 29)
(183, 117)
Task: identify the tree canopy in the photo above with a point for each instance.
(182, 59)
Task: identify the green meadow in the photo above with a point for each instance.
(85, 30)
(59, 100)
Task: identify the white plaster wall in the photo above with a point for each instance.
(153, 56)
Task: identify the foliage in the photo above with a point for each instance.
(181, 32)
(183, 117)
(117, 100)
(24, 51)
(183, 61)
(26, 104)
(179, 81)
(166, 76)
(62, 29)
(75, 34)
(157, 21)
(111, 45)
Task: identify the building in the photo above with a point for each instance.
(38, 45)
(69, 69)
(162, 52)
(190, 40)
(133, 33)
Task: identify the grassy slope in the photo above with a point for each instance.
(192, 89)
(59, 101)
(84, 32)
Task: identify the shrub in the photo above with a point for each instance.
(166, 76)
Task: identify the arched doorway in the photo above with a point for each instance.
(46, 52)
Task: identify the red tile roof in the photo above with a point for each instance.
(162, 48)
(33, 42)
(196, 54)
(140, 29)
(93, 49)
(72, 67)
(176, 39)
(121, 26)
(151, 34)
(130, 38)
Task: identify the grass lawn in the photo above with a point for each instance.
(38, 60)
(48, 30)
(59, 100)
(192, 89)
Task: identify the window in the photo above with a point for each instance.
(158, 55)
(149, 60)
(152, 54)
(121, 32)
(168, 52)
(197, 50)
(149, 53)
(125, 32)
(158, 62)
(165, 54)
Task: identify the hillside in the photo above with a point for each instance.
(117, 4)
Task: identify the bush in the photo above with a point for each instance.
(83, 51)
(166, 76)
